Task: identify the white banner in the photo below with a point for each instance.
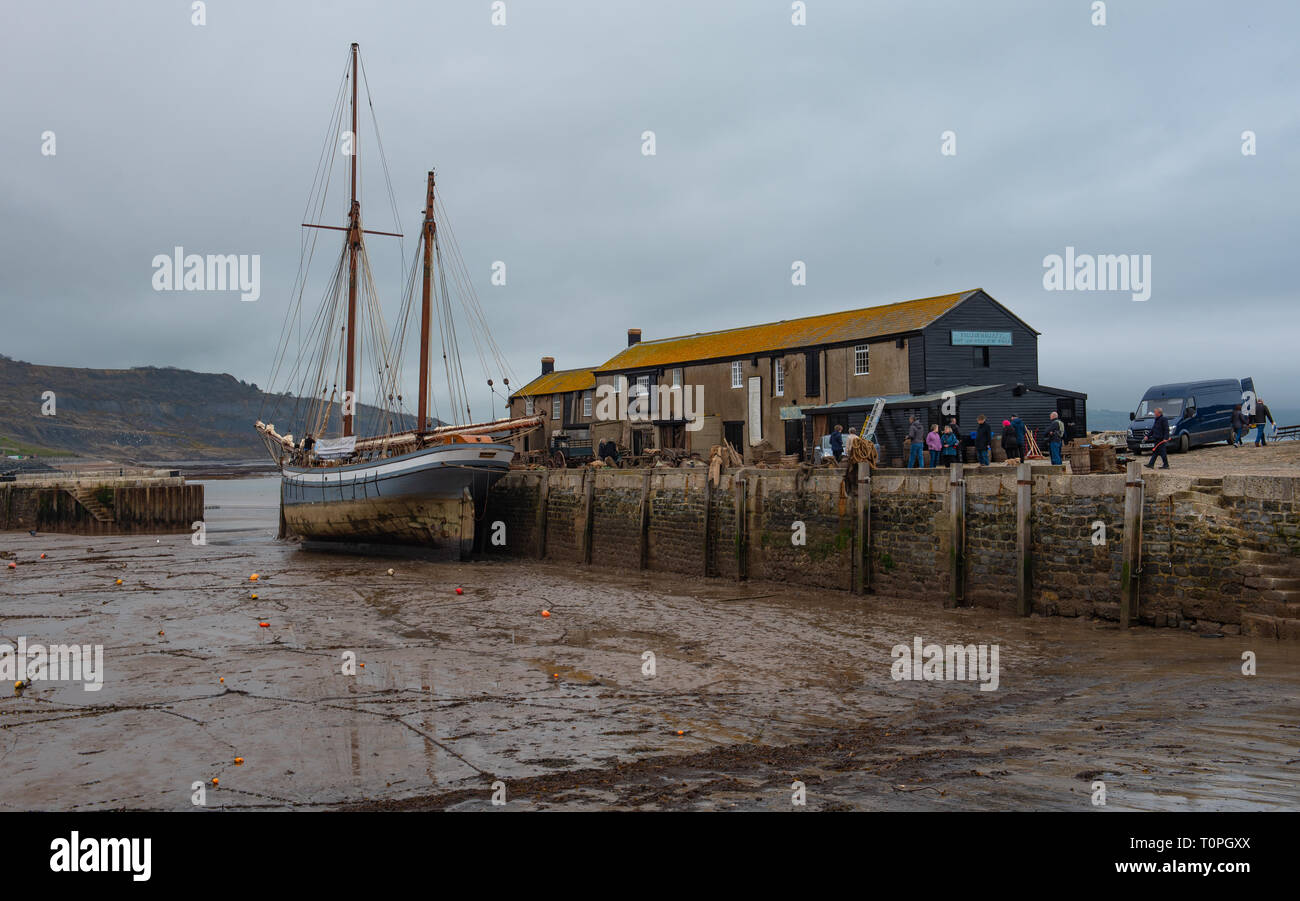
(334, 448)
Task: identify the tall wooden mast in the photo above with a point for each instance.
(430, 228)
(354, 244)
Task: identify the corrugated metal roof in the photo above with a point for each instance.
(560, 381)
(810, 331)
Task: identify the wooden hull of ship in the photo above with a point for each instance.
(428, 500)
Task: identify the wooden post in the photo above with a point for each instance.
(708, 522)
(543, 499)
(738, 486)
(957, 536)
(1131, 567)
(589, 484)
(862, 531)
(643, 541)
(1024, 546)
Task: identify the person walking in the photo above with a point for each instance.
(934, 443)
(1160, 435)
(950, 442)
(915, 437)
(983, 440)
(1019, 425)
(1055, 437)
(1240, 425)
(1262, 418)
(837, 443)
(1009, 442)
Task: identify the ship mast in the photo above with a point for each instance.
(430, 228)
(354, 244)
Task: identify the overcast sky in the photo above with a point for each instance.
(774, 143)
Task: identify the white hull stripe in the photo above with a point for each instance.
(472, 455)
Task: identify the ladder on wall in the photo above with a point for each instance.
(873, 420)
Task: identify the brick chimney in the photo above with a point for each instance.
(548, 365)
(633, 336)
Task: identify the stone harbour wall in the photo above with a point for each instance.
(1215, 555)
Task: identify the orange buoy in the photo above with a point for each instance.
(546, 613)
(680, 732)
(265, 625)
(363, 666)
(42, 556)
(460, 591)
(13, 565)
(222, 680)
(216, 781)
(253, 577)
(161, 632)
(253, 595)
(239, 761)
(118, 582)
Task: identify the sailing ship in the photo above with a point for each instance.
(421, 484)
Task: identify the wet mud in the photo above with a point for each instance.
(755, 686)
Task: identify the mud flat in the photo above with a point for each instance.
(765, 683)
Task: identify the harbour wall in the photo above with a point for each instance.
(1215, 555)
(119, 507)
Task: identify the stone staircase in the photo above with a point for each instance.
(86, 497)
(1275, 579)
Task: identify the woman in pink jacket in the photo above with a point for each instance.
(935, 444)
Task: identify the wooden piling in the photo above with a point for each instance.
(543, 498)
(862, 531)
(708, 524)
(643, 539)
(739, 491)
(1131, 568)
(589, 512)
(957, 536)
(1024, 545)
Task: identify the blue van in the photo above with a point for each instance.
(1198, 413)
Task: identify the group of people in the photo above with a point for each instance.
(944, 446)
(1241, 423)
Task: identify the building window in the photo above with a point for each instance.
(528, 406)
(812, 373)
(677, 378)
(556, 403)
(737, 375)
(586, 404)
(860, 359)
(778, 379)
(985, 357)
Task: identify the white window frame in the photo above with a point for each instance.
(778, 379)
(677, 377)
(737, 374)
(528, 405)
(862, 363)
(557, 404)
(587, 397)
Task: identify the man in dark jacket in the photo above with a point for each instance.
(837, 443)
(1160, 435)
(1055, 437)
(1262, 418)
(1239, 425)
(915, 437)
(983, 440)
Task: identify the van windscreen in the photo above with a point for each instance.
(1173, 407)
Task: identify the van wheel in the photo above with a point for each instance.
(1183, 443)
